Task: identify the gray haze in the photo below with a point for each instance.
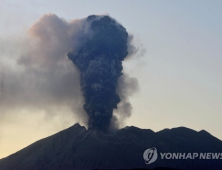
(40, 75)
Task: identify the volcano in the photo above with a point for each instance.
(79, 148)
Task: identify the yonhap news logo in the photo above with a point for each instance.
(150, 155)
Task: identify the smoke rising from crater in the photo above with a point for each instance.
(99, 60)
(44, 77)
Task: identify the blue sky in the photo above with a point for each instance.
(179, 75)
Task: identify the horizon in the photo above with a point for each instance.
(178, 68)
(109, 133)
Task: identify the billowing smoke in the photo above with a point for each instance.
(41, 75)
(99, 60)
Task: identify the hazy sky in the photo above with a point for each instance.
(180, 74)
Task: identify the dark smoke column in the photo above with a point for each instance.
(99, 61)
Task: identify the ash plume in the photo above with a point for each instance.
(38, 75)
(99, 60)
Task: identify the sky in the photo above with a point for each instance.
(178, 67)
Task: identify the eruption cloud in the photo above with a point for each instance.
(99, 61)
(62, 61)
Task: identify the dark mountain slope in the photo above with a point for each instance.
(78, 148)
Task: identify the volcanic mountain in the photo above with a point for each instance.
(79, 148)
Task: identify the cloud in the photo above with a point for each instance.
(36, 74)
(41, 75)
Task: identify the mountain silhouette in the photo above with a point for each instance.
(79, 148)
